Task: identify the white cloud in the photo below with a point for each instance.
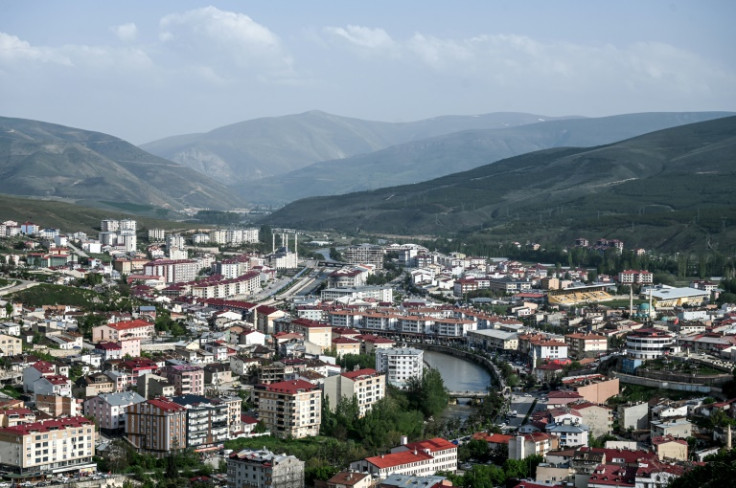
(15, 50)
(364, 37)
(126, 32)
(224, 43)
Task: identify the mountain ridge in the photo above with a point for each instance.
(43, 159)
(445, 154)
(658, 181)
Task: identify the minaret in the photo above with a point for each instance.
(728, 437)
(631, 302)
(296, 247)
(273, 243)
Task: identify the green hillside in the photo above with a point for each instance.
(38, 159)
(71, 218)
(668, 189)
(429, 158)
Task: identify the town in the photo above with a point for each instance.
(231, 357)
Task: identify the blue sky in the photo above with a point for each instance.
(143, 70)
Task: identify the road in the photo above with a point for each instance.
(23, 285)
(521, 404)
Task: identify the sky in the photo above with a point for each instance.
(142, 70)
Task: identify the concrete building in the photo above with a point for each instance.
(364, 254)
(400, 365)
(207, 421)
(109, 409)
(120, 331)
(648, 343)
(594, 388)
(10, 345)
(680, 428)
(187, 379)
(157, 426)
(350, 479)
(367, 386)
(289, 409)
(423, 458)
(635, 417)
(151, 386)
(670, 449)
(586, 345)
(264, 469)
(570, 434)
(525, 445)
(494, 339)
(48, 447)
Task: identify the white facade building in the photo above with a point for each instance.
(400, 365)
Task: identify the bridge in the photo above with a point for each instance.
(467, 394)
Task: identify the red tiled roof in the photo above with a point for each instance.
(164, 403)
(129, 324)
(493, 438)
(613, 475)
(290, 387)
(44, 367)
(657, 440)
(434, 445)
(397, 459)
(360, 372)
(46, 425)
(344, 340)
(57, 379)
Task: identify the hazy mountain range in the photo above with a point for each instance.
(273, 146)
(670, 188)
(281, 159)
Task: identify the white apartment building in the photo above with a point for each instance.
(109, 408)
(264, 469)
(366, 385)
(48, 447)
(156, 235)
(400, 365)
(173, 270)
(423, 458)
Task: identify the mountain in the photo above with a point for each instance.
(432, 157)
(272, 146)
(667, 189)
(39, 159)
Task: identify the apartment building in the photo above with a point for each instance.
(400, 365)
(157, 426)
(317, 333)
(120, 331)
(264, 469)
(109, 408)
(187, 379)
(639, 277)
(48, 447)
(364, 254)
(423, 458)
(10, 345)
(289, 409)
(173, 270)
(586, 345)
(366, 385)
(246, 284)
(207, 421)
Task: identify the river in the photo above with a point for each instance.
(458, 375)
